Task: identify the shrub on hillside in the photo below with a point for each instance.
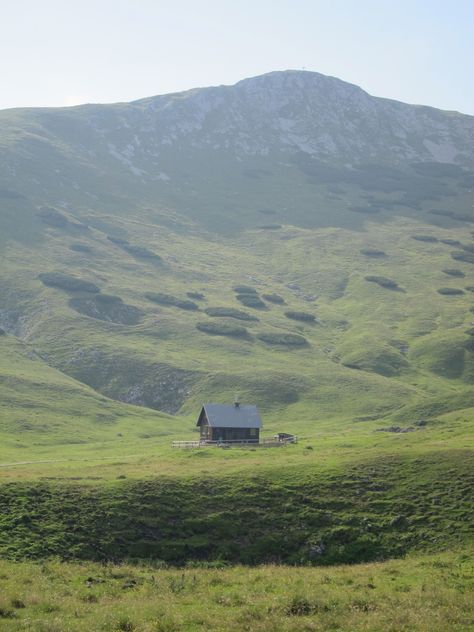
(270, 226)
(274, 298)
(427, 238)
(229, 312)
(119, 241)
(107, 307)
(450, 291)
(141, 252)
(455, 272)
(197, 296)
(469, 288)
(373, 252)
(173, 301)
(2, 332)
(291, 340)
(303, 316)
(459, 255)
(468, 247)
(52, 217)
(80, 248)
(222, 329)
(383, 282)
(251, 300)
(450, 242)
(67, 282)
(244, 289)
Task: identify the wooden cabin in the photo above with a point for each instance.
(229, 423)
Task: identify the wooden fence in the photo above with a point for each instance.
(269, 442)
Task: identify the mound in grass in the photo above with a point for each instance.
(290, 340)
(373, 252)
(427, 238)
(244, 289)
(274, 298)
(442, 354)
(303, 316)
(251, 300)
(229, 312)
(197, 296)
(367, 353)
(455, 272)
(385, 282)
(450, 291)
(108, 308)
(68, 282)
(171, 301)
(461, 255)
(80, 248)
(222, 329)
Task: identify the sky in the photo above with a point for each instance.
(66, 52)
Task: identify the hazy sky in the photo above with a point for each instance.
(64, 52)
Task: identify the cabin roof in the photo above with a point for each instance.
(231, 416)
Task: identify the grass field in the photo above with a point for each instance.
(416, 594)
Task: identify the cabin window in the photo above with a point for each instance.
(253, 432)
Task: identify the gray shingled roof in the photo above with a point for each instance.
(225, 416)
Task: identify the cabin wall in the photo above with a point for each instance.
(252, 435)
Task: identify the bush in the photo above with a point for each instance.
(470, 288)
(427, 238)
(2, 332)
(468, 247)
(459, 255)
(117, 240)
(274, 298)
(229, 312)
(244, 289)
(455, 272)
(108, 308)
(251, 300)
(168, 299)
(383, 282)
(222, 329)
(373, 252)
(67, 282)
(141, 252)
(80, 248)
(292, 340)
(303, 316)
(52, 217)
(270, 226)
(450, 291)
(197, 296)
(450, 242)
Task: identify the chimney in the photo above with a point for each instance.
(236, 401)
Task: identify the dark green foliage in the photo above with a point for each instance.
(274, 298)
(427, 238)
(222, 329)
(107, 307)
(459, 255)
(2, 332)
(291, 340)
(373, 252)
(450, 291)
(173, 301)
(455, 272)
(270, 226)
(468, 247)
(229, 312)
(119, 241)
(383, 282)
(80, 248)
(181, 520)
(67, 282)
(197, 296)
(450, 242)
(244, 289)
(303, 316)
(251, 300)
(469, 288)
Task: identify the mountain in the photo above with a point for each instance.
(127, 229)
